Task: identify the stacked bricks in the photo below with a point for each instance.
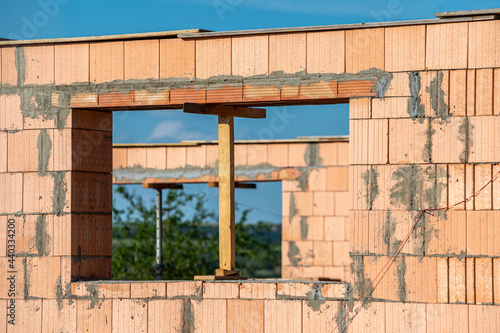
(188, 306)
(424, 109)
(55, 180)
(314, 176)
(316, 213)
(431, 141)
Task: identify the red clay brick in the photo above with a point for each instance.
(11, 183)
(335, 228)
(144, 97)
(360, 108)
(130, 315)
(148, 289)
(470, 287)
(245, 316)
(320, 321)
(482, 175)
(28, 316)
(211, 315)
(446, 46)
(250, 55)
(220, 290)
(177, 58)
(142, 59)
(483, 45)
(213, 57)
(484, 92)
(471, 92)
(283, 316)
(324, 203)
(187, 95)
(9, 71)
(116, 99)
(94, 316)
(405, 48)
(107, 61)
(227, 94)
(484, 280)
(43, 274)
(297, 253)
(11, 116)
(176, 157)
(114, 290)
(264, 290)
(185, 289)
(287, 53)
(294, 289)
(496, 280)
(39, 64)
(456, 280)
(253, 93)
(165, 315)
(72, 63)
(326, 52)
(322, 253)
(458, 92)
(364, 49)
(442, 280)
(156, 158)
(399, 86)
(58, 315)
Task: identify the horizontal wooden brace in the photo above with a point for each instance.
(224, 110)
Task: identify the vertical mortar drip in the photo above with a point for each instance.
(59, 192)
(304, 228)
(42, 239)
(415, 109)
(293, 211)
(294, 254)
(187, 321)
(438, 103)
(370, 178)
(464, 135)
(44, 145)
(401, 271)
(382, 85)
(311, 156)
(20, 65)
(389, 231)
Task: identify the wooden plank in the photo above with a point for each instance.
(337, 27)
(102, 38)
(215, 277)
(236, 185)
(226, 193)
(225, 272)
(173, 186)
(460, 13)
(224, 110)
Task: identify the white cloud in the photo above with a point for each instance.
(175, 130)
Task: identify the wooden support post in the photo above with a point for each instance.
(226, 194)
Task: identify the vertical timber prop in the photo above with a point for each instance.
(227, 263)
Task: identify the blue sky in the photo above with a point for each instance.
(34, 19)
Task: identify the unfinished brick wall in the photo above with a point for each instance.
(314, 175)
(424, 109)
(431, 142)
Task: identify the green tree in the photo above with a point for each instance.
(190, 244)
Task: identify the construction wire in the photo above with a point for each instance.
(396, 253)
